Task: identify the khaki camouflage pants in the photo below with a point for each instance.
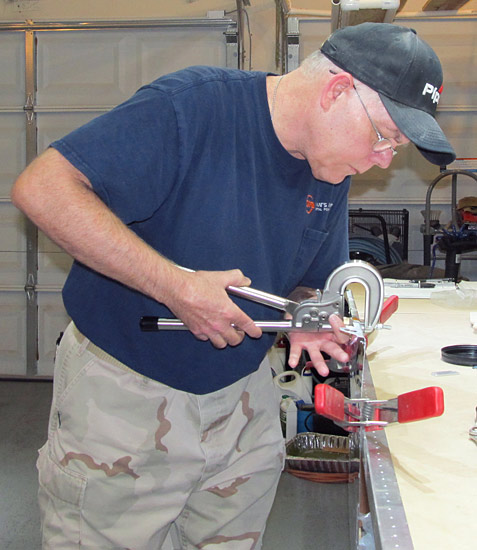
(128, 458)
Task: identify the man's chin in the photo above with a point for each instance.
(332, 177)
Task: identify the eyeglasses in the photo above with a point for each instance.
(383, 145)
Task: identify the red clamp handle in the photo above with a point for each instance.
(329, 402)
(420, 404)
(390, 305)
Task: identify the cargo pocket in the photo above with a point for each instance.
(60, 498)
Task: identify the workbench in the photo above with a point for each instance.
(434, 461)
(423, 474)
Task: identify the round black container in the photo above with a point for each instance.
(460, 355)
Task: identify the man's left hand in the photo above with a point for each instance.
(315, 343)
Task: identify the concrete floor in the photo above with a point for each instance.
(24, 410)
(305, 516)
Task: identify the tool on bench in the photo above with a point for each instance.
(310, 315)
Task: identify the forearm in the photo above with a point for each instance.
(61, 202)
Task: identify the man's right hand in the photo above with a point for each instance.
(201, 301)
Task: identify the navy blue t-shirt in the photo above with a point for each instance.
(191, 163)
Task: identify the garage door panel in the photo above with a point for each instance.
(12, 269)
(459, 129)
(167, 54)
(13, 331)
(12, 62)
(53, 263)
(53, 126)
(123, 61)
(12, 229)
(67, 75)
(53, 268)
(12, 149)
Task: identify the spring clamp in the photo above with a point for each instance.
(374, 414)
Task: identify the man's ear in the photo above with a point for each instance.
(334, 88)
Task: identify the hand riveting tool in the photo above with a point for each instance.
(310, 315)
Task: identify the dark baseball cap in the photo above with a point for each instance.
(406, 73)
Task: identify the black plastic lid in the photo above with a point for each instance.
(460, 355)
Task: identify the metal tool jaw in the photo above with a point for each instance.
(310, 315)
(334, 293)
(372, 414)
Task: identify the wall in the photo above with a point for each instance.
(261, 16)
(403, 186)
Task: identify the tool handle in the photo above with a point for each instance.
(420, 404)
(154, 324)
(261, 297)
(256, 295)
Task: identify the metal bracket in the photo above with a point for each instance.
(30, 287)
(293, 44)
(231, 47)
(29, 109)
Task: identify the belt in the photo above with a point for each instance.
(87, 345)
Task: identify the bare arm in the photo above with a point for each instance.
(59, 199)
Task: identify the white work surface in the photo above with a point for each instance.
(434, 460)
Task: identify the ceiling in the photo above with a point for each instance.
(405, 5)
(414, 8)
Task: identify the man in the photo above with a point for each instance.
(242, 177)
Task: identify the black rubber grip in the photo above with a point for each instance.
(149, 324)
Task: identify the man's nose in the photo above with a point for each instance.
(384, 159)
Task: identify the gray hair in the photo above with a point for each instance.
(317, 63)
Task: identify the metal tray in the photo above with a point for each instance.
(313, 452)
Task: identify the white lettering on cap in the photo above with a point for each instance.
(435, 93)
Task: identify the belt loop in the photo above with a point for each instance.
(83, 346)
(80, 337)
